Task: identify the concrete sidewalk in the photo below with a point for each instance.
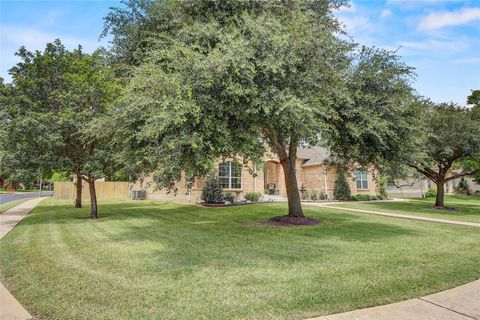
(460, 303)
(10, 308)
(398, 215)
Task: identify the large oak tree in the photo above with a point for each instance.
(224, 78)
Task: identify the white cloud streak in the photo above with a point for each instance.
(386, 13)
(438, 20)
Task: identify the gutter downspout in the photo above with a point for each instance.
(254, 178)
(325, 179)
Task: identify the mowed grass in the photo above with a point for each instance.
(165, 260)
(465, 208)
(10, 205)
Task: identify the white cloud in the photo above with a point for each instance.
(385, 13)
(470, 60)
(13, 37)
(437, 46)
(355, 24)
(438, 20)
(414, 4)
(350, 8)
(34, 39)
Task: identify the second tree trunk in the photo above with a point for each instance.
(439, 201)
(93, 200)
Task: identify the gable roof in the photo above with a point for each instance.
(313, 155)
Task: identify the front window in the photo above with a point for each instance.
(362, 179)
(230, 175)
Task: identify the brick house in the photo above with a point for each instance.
(315, 172)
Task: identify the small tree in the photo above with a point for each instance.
(451, 136)
(342, 189)
(48, 115)
(212, 191)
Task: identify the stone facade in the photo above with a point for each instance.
(315, 172)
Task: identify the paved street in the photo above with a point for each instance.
(5, 198)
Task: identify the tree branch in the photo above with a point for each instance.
(429, 173)
(462, 174)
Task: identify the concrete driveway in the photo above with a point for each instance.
(9, 197)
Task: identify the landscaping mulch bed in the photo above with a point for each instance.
(286, 221)
(444, 208)
(221, 205)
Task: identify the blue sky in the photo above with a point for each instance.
(441, 39)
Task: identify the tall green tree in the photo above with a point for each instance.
(48, 115)
(221, 79)
(451, 137)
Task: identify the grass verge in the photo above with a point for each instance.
(10, 205)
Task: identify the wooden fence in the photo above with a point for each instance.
(105, 190)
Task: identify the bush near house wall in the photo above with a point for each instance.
(230, 197)
(253, 196)
(342, 189)
(431, 193)
(367, 197)
(212, 191)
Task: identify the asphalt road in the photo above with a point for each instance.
(5, 198)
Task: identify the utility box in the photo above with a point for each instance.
(139, 195)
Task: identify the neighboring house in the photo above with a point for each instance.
(315, 172)
(472, 186)
(409, 188)
(416, 188)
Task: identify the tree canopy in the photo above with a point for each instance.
(224, 79)
(451, 136)
(48, 113)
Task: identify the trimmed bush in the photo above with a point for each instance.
(305, 195)
(322, 196)
(342, 189)
(431, 193)
(230, 197)
(314, 196)
(463, 187)
(367, 197)
(253, 196)
(212, 191)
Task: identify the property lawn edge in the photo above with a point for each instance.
(306, 315)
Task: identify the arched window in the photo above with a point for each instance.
(230, 175)
(362, 179)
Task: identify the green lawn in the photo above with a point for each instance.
(467, 208)
(154, 260)
(9, 205)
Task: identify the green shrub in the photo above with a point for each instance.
(230, 197)
(342, 189)
(253, 196)
(431, 193)
(322, 196)
(367, 197)
(212, 191)
(305, 195)
(462, 186)
(314, 196)
(382, 187)
(380, 197)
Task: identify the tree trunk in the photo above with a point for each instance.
(294, 204)
(78, 198)
(93, 199)
(439, 201)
